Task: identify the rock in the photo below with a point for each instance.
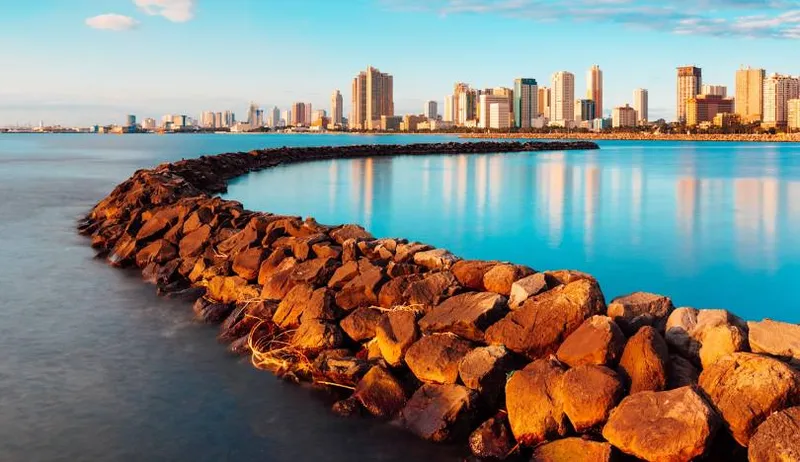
(360, 325)
(493, 439)
(380, 393)
(347, 407)
(569, 276)
(597, 341)
(437, 259)
(304, 302)
(681, 373)
(528, 287)
(338, 366)
(469, 273)
(704, 336)
(675, 425)
(573, 450)
(343, 233)
(774, 338)
(363, 289)
(534, 412)
(159, 252)
(211, 312)
(315, 335)
(588, 394)
(343, 275)
(746, 388)
(405, 252)
(277, 286)
(278, 260)
(193, 243)
(316, 271)
(439, 412)
(244, 318)
(396, 270)
(466, 315)
(247, 263)
(393, 292)
(484, 369)
(431, 290)
(501, 277)
(435, 358)
(640, 309)
(395, 333)
(543, 322)
(776, 440)
(226, 289)
(326, 250)
(645, 361)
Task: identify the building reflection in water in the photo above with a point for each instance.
(370, 188)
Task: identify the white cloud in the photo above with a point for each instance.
(112, 21)
(174, 10)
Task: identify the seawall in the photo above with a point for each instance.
(624, 136)
(517, 362)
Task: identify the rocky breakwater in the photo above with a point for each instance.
(519, 363)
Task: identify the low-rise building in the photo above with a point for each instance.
(389, 123)
(726, 119)
(623, 116)
(703, 108)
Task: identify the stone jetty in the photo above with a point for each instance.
(513, 362)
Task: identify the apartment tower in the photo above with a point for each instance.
(594, 89)
(690, 84)
(526, 102)
(640, 103)
(749, 100)
(563, 97)
(337, 109)
(373, 97)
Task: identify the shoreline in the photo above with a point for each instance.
(493, 353)
(750, 138)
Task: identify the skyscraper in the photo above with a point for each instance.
(749, 100)
(778, 90)
(594, 89)
(358, 113)
(464, 104)
(230, 119)
(299, 115)
(207, 119)
(373, 97)
(430, 111)
(307, 118)
(337, 110)
(275, 121)
(543, 109)
(449, 109)
(218, 120)
(509, 94)
(526, 102)
(640, 104)
(252, 115)
(563, 97)
(690, 84)
(584, 110)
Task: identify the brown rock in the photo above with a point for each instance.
(484, 370)
(363, 289)
(278, 285)
(569, 276)
(405, 252)
(211, 312)
(343, 233)
(493, 439)
(339, 366)
(396, 270)
(776, 440)
(597, 341)
(682, 373)
(159, 252)
(304, 302)
(466, 315)
(640, 309)
(439, 412)
(436, 259)
(573, 450)
(778, 339)
(501, 277)
(435, 358)
(393, 292)
(534, 412)
(380, 393)
(315, 335)
(280, 259)
(704, 336)
(431, 290)
(589, 393)
(645, 361)
(343, 275)
(247, 263)
(316, 271)
(538, 328)
(675, 425)
(360, 325)
(395, 333)
(326, 250)
(469, 273)
(226, 289)
(746, 388)
(528, 287)
(193, 243)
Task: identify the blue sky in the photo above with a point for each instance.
(93, 61)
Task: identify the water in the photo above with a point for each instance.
(713, 225)
(95, 367)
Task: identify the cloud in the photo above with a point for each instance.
(112, 21)
(174, 10)
(778, 19)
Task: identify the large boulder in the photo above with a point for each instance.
(528, 287)
(470, 273)
(746, 388)
(440, 412)
(345, 232)
(573, 450)
(597, 341)
(395, 333)
(639, 309)
(393, 293)
(466, 315)
(501, 277)
(484, 369)
(778, 438)
(363, 289)
(343, 275)
(534, 411)
(589, 393)
(675, 425)
(779, 339)
(435, 358)
(681, 372)
(278, 285)
(436, 259)
(304, 302)
(247, 263)
(193, 243)
(316, 271)
(226, 289)
(380, 393)
(316, 335)
(704, 336)
(493, 439)
(361, 324)
(159, 252)
(431, 290)
(279, 260)
(645, 361)
(543, 322)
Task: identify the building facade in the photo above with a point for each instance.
(703, 108)
(715, 90)
(584, 110)
(337, 108)
(563, 97)
(623, 116)
(299, 115)
(449, 114)
(594, 89)
(499, 116)
(793, 115)
(486, 102)
(543, 102)
(431, 110)
(750, 94)
(640, 105)
(464, 104)
(690, 84)
(526, 102)
(778, 90)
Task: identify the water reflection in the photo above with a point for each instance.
(679, 220)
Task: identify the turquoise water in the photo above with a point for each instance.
(713, 225)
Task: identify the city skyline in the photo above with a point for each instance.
(117, 65)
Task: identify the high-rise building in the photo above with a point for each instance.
(594, 89)
(299, 115)
(623, 116)
(317, 115)
(230, 119)
(286, 117)
(449, 114)
(486, 101)
(526, 102)
(563, 97)
(703, 108)
(793, 122)
(208, 119)
(640, 104)
(749, 100)
(690, 84)
(778, 90)
(149, 124)
(430, 111)
(308, 118)
(131, 121)
(337, 108)
(218, 120)
(464, 103)
(252, 115)
(584, 110)
(373, 97)
(543, 109)
(499, 115)
(715, 90)
(509, 94)
(275, 121)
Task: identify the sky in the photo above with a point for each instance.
(83, 62)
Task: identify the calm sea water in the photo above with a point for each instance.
(96, 367)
